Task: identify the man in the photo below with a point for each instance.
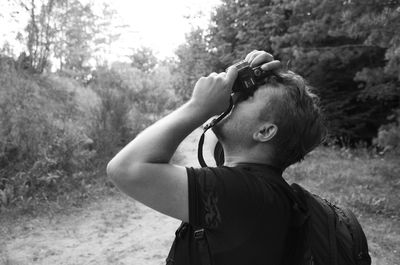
(245, 219)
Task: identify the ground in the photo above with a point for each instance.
(118, 230)
(113, 231)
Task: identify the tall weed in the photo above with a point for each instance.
(41, 138)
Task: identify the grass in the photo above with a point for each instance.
(368, 184)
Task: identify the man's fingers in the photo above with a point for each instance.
(213, 74)
(260, 58)
(250, 56)
(222, 74)
(272, 66)
(231, 75)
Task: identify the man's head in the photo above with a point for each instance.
(280, 123)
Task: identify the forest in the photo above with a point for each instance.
(65, 109)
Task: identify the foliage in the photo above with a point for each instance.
(76, 27)
(41, 138)
(144, 59)
(110, 116)
(129, 100)
(54, 132)
(349, 50)
(108, 30)
(336, 50)
(62, 29)
(239, 27)
(67, 35)
(193, 61)
(151, 92)
(40, 34)
(388, 138)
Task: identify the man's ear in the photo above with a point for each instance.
(266, 132)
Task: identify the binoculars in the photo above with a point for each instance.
(249, 78)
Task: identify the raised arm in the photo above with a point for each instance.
(142, 170)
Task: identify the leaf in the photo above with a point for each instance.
(3, 197)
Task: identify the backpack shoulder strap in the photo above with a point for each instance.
(199, 235)
(202, 246)
(297, 198)
(332, 237)
(330, 221)
(179, 233)
(360, 241)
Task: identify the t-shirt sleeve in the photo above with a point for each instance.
(221, 199)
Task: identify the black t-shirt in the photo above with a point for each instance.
(245, 216)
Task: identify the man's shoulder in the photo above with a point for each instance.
(240, 176)
(241, 169)
(224, 172)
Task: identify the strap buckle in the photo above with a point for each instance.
(199, 234)
(181, 230)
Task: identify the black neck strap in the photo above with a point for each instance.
(208, 126)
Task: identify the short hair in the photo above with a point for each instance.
(294, 108)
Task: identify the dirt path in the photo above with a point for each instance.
(114, 231)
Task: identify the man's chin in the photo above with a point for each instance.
(221, 129)
(218, 130)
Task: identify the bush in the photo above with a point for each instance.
(42, 141)
(388, 138)
(56, 134)
(110, 117)
(129, 101)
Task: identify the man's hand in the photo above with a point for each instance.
(266, 60)
(211, 94)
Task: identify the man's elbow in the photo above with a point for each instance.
(116, 172)
(120, 173)
(111, 169)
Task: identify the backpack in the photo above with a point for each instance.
(323, 233)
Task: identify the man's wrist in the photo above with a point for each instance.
(198, 110)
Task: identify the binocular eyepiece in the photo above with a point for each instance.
(249, 78)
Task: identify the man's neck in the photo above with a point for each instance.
(239, 154)
(248, 157)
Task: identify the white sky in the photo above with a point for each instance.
(158, 24)
(161, 24)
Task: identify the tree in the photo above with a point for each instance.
(143, 59)
(334, 50)
(108, 31)
(68, 31)
(194, 59)
(110, 125)
(239, 27)
(73, 46)
(40, 33)
(349, 50)
(129, 100)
